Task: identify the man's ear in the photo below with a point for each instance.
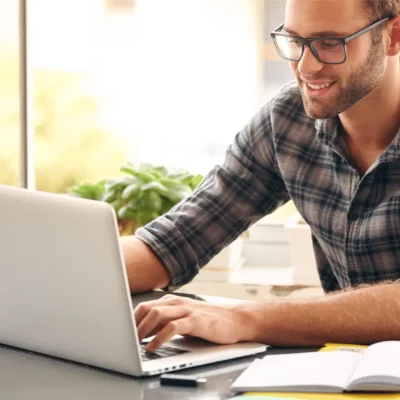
(394, 37)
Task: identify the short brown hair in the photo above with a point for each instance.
(382, 8)
(378, 9)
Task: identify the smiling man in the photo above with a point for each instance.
(335, 70)
(331, 143)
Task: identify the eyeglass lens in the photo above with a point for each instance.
(328, 51)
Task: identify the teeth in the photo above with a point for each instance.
(318, 87)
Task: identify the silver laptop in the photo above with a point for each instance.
(64, 291)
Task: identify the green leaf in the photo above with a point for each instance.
(146, 167)
(154, 201)
(101, 184)
(128, 168)
(166, 205)
(172, 185)
(148, 191)
(80, 192)
(150, 201)
(132, 189)
(196, 180)
(88, 191)
(168, 181)
(160, 171)
(134, 204)
(118, 184)
(145, 176)
(187, 180)
(154, 185)
(147, 216)
(126, 213)
(109, 196)
(177, 191)
(117, 204)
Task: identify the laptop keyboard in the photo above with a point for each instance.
(162, 352)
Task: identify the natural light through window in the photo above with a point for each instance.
(162, 82)
(197, 77)
(178, 79)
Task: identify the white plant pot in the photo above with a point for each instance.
(302, 261)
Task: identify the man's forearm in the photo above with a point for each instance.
(364, 316)
(144, 269)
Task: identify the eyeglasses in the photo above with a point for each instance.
(328, 50)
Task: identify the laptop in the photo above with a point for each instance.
(64, 291)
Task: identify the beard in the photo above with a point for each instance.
(362, 81)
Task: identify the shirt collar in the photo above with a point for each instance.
(328, 131)
(393, 151)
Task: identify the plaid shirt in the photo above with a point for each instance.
(284, 154)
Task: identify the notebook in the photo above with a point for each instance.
(375, 368)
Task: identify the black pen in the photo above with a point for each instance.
(181, 380)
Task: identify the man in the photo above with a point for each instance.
(331, 143)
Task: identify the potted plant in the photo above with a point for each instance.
(142, 194)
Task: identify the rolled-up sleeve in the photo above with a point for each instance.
(234, 195)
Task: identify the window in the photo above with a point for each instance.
(162, 82)
(9, 94)
(198, 77)
(275, 70)
(83, 129)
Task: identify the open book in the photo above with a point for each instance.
(376, 368)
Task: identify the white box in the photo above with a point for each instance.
(266, 254)
(228, 257)
(302, 261)
(210, 274)
(268, 232)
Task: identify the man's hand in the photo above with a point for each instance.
(172, 315)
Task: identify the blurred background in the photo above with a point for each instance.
(165, 83)
(162, 82)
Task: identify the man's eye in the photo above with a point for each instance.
(294, 42)
(329, 44)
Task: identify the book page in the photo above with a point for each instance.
(303, 371)
(379, 359)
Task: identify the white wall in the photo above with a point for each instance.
(197, 71)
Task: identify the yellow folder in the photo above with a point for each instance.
(329, 396)
(336, 346)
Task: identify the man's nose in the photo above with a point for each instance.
(309, 63)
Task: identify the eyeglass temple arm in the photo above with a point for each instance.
(278, 28)
(368, 28)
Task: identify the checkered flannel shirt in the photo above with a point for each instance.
(283, 154)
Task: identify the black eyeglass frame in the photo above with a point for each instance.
(308, 41)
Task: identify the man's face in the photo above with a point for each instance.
(329, 90)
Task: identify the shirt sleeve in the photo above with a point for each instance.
(232, 196)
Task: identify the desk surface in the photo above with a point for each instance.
(24, 375)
